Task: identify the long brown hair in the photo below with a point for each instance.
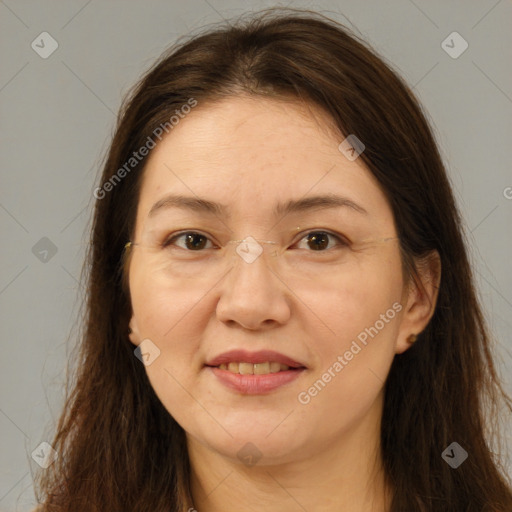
(119, 448)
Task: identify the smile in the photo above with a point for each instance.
(254, 383)
(243, 368)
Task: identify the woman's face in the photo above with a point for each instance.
(336, 311)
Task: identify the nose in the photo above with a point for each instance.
(252, 294)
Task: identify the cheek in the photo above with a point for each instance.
(363, 317)
(167, 314)
(358, 300)
(352, 369)
(168, 317)
(160, 304)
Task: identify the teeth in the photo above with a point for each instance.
(245, 368)
(265, 368)
(274, 367)
(261, 368)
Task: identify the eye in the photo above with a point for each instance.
(319, 240)
(193, 240)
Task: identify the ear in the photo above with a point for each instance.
(420, 296)
(134, 333)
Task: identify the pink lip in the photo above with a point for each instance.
(255, 384)
(253, 357)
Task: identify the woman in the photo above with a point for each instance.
(281, 314)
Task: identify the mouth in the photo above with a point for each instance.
(254, 373)
(262, 362)
(265, 368)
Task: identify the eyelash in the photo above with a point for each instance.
(342, 241)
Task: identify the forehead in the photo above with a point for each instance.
(251, 154)
(252, 130)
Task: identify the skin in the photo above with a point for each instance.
(250, 153)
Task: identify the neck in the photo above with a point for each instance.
(347, 471)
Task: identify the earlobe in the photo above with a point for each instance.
(412, 339)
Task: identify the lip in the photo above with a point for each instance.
(260, 356)
(255, 384)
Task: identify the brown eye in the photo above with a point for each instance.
(193, 241)
(319, 240)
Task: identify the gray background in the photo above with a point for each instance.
(57, 115)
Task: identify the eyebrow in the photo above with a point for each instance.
(201, 205)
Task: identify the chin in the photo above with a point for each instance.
(256, 447)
